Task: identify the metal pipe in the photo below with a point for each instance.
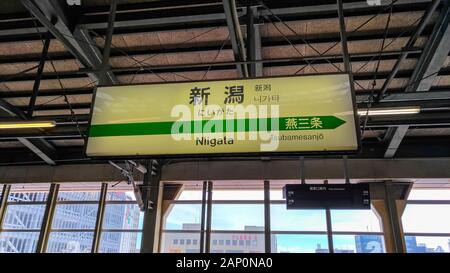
(48, 218)
(4, 203)
(267, 235)
(37, 81)
(202, 220)
(208, 219)
(99, 219)
(108, 42)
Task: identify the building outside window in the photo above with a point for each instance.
(74, 219)
(24, 214)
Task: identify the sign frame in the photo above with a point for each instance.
(233, 155)
(327, 191)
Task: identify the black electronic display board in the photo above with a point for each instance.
(327, 196)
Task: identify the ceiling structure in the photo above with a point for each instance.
(398, 52)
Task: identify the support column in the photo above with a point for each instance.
(390, 207)
(208, 218)
(99, 221)
(267, 235)
(203, 218)
(151, 193)
(3, 203)
(48, 218)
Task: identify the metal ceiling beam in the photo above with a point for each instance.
(202, 18)
(37, 80)
(94, 20)
(430, 63)
(78, 42)
(40, 147)
(433, 55)
(107, 47)
(237, 42)
(412, 40)
(254, 54)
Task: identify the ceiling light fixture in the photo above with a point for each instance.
(389, 111)
(27, 124)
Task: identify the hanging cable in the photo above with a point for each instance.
(375, 73)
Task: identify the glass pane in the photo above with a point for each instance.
(429, 194)
(183, 216)
(78, 195)
(120, 196)
(237, 217)
(23, 196)
(123, 216)
(190, 195)
(70, 242)
(358, 244)
(294, 243)
(120, 242)
(75, 216)
(426, 218)
(18, 242)
(422, 244)
(237, 243)
(180, 242)
(276, 195)
(23, 216)
(238, 195)
(282, 219)
(355, 220)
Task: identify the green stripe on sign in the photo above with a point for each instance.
(216, 126)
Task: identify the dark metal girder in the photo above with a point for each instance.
(138, 20)
(235, 35)
(412, 40)
(37, 81)
(78, 42)
(434, 55)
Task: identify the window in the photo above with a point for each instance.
(427, 218)
(222, 242)
(365, 231)
(183, 217)
(355, 220)
(74, 219)
(282, 219)
(122, 223)
(299, 243)
(242, 217)
(75, 216)
(120, 242)
(425, 222)
(362, 243)
(70, 242)
(23, 218)
(237, 223)
(18, 242)
(73, 225)
(181, 220)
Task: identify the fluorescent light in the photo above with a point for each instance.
(389, 111)
(27, 124)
